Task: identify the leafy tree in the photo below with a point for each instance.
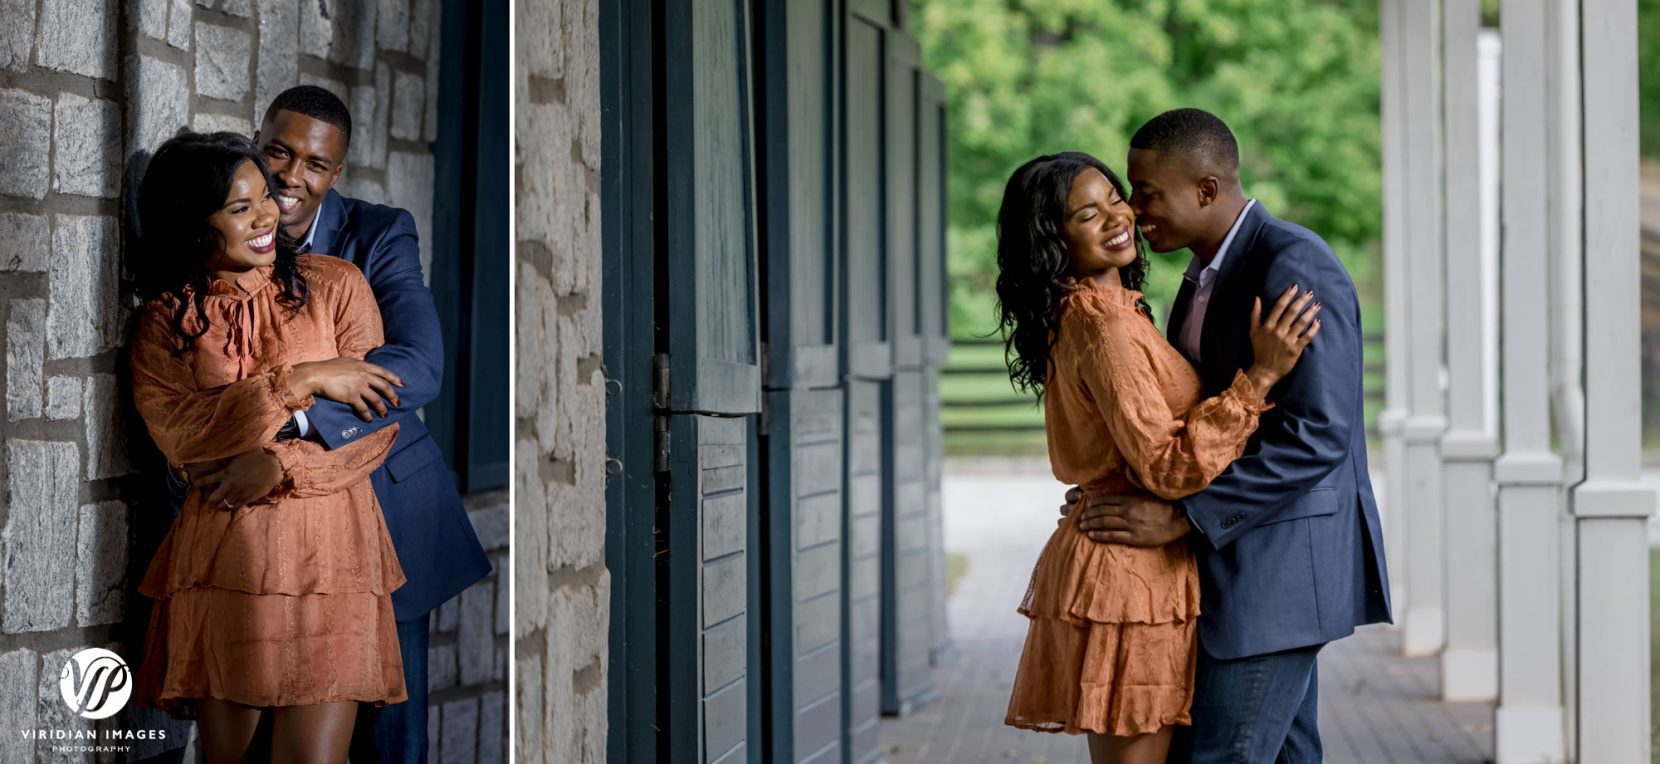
(1297, 80)
(1648, 75)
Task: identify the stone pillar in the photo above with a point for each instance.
(562, 586)
(1397, 304)
(66, 542)
(1424, 620)
(1469, 665)
(1529, 720)
(1612, 505)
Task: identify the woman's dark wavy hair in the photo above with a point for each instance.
(1034, 268)
(185, 183)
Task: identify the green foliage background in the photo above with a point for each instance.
(1297, 80)
(1648, 75)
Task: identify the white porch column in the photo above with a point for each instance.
(1392, 420)
(1564, 230)
(1612, 505)
(1529, 721)
(1469, 665)
(1424, 625)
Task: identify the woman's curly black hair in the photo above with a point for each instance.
(1034, 266)
(185, 183)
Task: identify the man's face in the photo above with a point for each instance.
(306, 156)
(1165, 200)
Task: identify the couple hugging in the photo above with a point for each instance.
(285, 338)
(1223, 527)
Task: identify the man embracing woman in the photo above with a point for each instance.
(1223, 527)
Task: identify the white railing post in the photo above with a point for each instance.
(1392, 420)
(1564, 236)
(1612, 505)
(1529, 721)
(1424, 626)
(1469, 665)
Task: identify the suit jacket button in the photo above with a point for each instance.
(350, 431)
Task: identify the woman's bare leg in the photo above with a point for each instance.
(1151, 748)
(317, 734)
(227, 729)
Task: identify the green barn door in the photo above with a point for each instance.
(804, 425)
(868, 356)
(709, 381)
(907, 615)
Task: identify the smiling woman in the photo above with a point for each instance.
(271, 601)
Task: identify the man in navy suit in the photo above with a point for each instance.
(1289, 546)
(305, 135)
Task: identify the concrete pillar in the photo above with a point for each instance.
(1424, 623)
(1392, 420)
(1469, 665)
(1529, 720)
(1611, 506)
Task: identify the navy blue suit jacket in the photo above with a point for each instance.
(436, 545)
(1291, 553)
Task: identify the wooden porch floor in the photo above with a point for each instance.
(1375, 706)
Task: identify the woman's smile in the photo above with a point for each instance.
(264, 243)
(1120, 239)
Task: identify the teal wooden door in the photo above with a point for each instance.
(868, 356)
(932, 304)
(805, 420)
(709, 386)
(907, 622)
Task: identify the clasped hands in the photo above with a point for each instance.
(235, 481)
(1138, 520)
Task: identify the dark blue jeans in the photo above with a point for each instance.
(1253, 710)
(397, 733)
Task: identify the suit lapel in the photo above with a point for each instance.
(1229, 294)
(1178, 314)
(330, 215)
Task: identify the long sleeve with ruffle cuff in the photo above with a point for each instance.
(1173, 456)
(310, 469)
(191, 424)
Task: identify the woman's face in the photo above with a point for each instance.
(1099, 226)
(247, 224)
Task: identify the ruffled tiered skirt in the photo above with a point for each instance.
(1110, 647)
(279, 604)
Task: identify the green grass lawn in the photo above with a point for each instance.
(956, 566)
(1654, 650)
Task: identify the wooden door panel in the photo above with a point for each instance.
(899, 149)
(868, 353)
(863, 568)
(709, 208)
(708, 673)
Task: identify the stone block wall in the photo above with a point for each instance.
(86, 87)
(562, 592)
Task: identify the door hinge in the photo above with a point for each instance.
(660, 444)
(660, 381)
(766, 367)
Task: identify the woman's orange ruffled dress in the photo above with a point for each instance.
(286, 601)
(1110, 648)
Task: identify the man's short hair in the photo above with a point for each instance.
(316, 103)
(1194, 134)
